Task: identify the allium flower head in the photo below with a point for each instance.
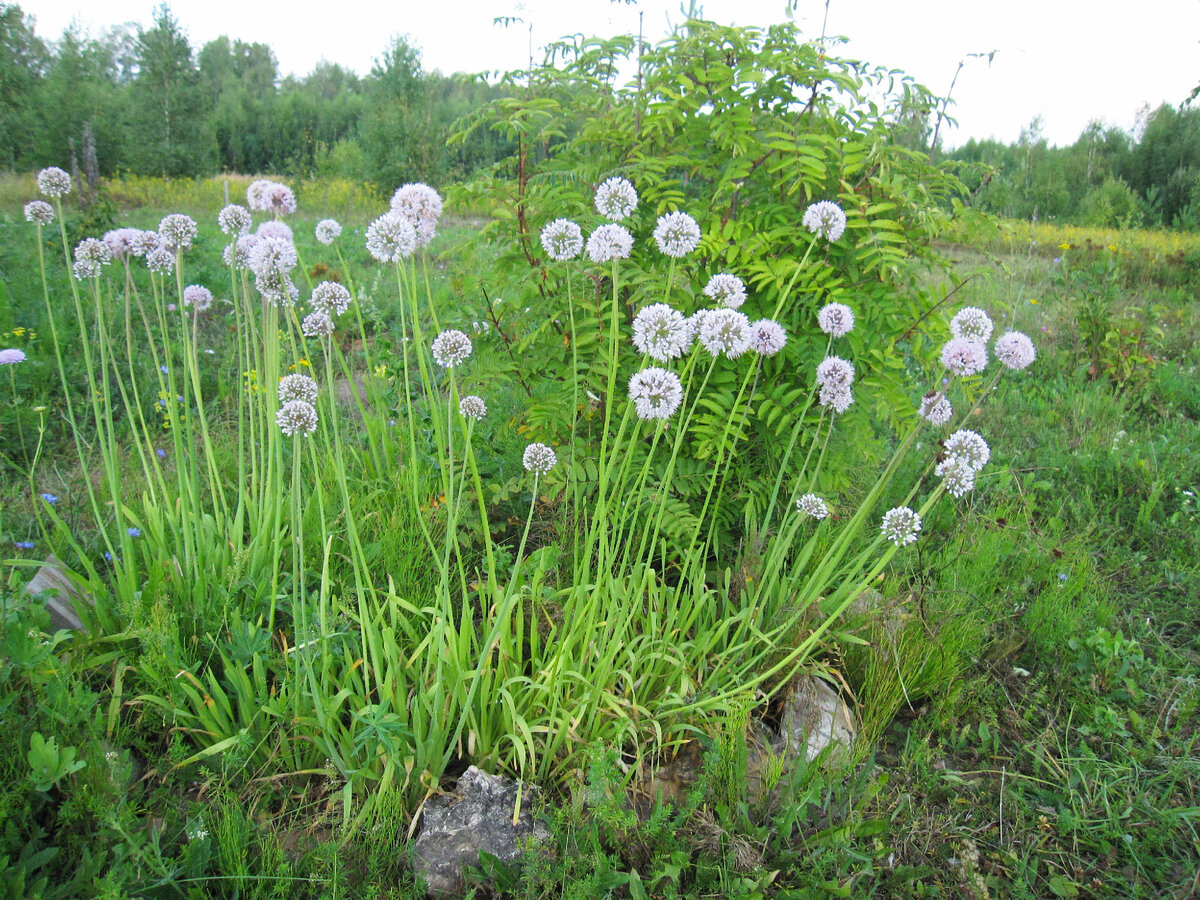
(826, 219)
(609, 242)
(39, 211)
(54, 182)
(677, 234)
(656, 393)
(279, 199)
(144, 242)
(297, 387)
(969, 446)
(1015, 350)
(331, 297)
(616, 199)
(726, 290)
(91, 254)
(724, 331)
(901, 525)
(273, 228)
(562, 240)
(256, 194)
(11, 356)
(964, 356)
(661, 333)
(234, 219)
(391, 238)
(971, 322)
(296, 418)
(836, 319)
(767, 337)
(421, 205)
(317, 324)
(472, 407)
(198, 296)
(450, 348)
(835, 372)
(538, 458)
(328, 230)
(237, 254)
(835, 397)
(935, 408)
(957, 474)
(120, 241)
(177, 231)
(812, 505)
(160, 259)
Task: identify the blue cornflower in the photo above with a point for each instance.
(163, 369)
(162, 454)
(50, 498)
(135, 532)
(24, 545)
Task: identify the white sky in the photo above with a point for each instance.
(1066, 60)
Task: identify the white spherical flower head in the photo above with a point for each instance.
(609, 242)
(144, 242)
(901, 525)
(10, 356)
(391, 238)
(178, 231)
(256, 194)
(327, 231)
(120, 241)
(767, 337)
(661, 333)
(724, 331)
(331, 297)
(935, 408)
(279, 199)
(562, 240)
(296, 418)
(198, 296)
(969, 446)
(237, 254)
(234, 219)
(297, 387)
(971, 322)
(538, 458)
(421, 206)
(1015, 350)
(450, 348)
(812, 505)
(964, 356)
(472, 407)
(956, 474)
(317, 324)
(83, 269)
(835, 372)
(39, 212)
(272, 256)
(826, 219)
(835, 398)
(160, 259)
(656, 393)
(726, 290)
(91, 255)
(54, 182)
(616, 199)
(677, 234)
(836, 319)
(277, 230)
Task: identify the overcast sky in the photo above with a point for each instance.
(1065, 60)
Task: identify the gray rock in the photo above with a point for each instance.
(814, 717)
(63, 597)
(477, 816)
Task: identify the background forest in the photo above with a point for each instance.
(152, 104)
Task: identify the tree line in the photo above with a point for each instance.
(145, 101)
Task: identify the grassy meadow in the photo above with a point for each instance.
(306, 626)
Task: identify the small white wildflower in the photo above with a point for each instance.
(331, 297)
(609, 242)
(421, 206)
(562, 240)
(317, 324)
(198, 296)
(971, 322)
(836, 319)
(964, 356)
(538, 458)
(968, 445)
(391, 238)
(767, 337)
(1015, 350)
(39, 211)
(812, 505)
(724, 331)
(935, 408)
(826, 219)
(177, 231)
(328, 230)
(297, 387)
(234, 219)
(450, 348)
(835, 372)
(296, 418)
(616, 199)
(726, 290)
(472, 407)
(957, 474)
(53, 182)
(677, 234)
(661, 332)
(901, 525)
(656, 393)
